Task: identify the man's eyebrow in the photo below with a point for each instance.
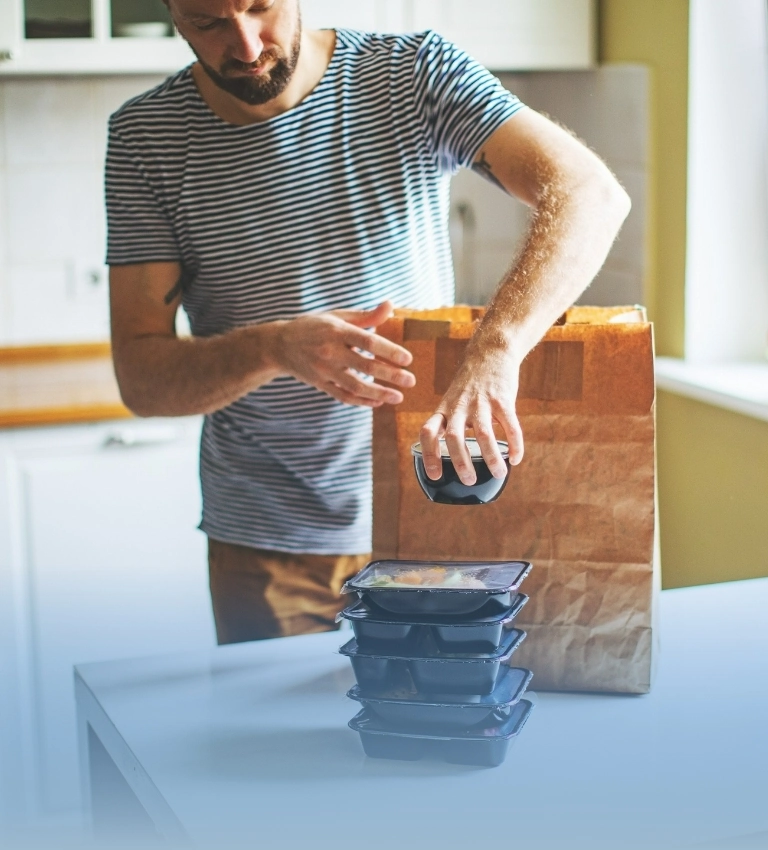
(197, 16)
(260, 5)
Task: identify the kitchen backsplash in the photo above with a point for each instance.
(53, 285)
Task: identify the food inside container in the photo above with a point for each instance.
(434, 587)
(375, 628)
(484, 746)
(431, 670)
(403, 707)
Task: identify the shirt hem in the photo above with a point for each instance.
(281, 545)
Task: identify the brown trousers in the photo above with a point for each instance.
(258, 594)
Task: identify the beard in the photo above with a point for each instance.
(257, 90)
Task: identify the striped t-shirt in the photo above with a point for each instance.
(338, 203)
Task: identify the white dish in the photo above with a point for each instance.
(148, 29)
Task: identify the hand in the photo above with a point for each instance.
(324, 351)
(484, 391)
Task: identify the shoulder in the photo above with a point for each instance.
(164, 103)
(368, 47)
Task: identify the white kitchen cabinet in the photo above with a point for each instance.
(515, 35)
(99, 558)
(374, 15)
(505, 35)
(87, 37)
(502, 34)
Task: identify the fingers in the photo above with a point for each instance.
(377, 316)
(514, 435)
(351, 363)
(351, 382)
(453, 429)
(367, 318)
(489, 447)
(380, 371)
(429, 437)
(378, 346)
(347, 397)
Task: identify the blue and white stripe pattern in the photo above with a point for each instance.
(339, 203)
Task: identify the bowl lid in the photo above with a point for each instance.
(426, 651)
(511, 684)
(367, 721)
(442, 576)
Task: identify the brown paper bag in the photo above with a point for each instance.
(581, 506)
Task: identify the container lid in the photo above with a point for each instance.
(367, 721)
(454, 576)
(360, 612)
(426, 650)
(510, 686)
(473, 447)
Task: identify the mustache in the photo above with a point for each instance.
(229, 65)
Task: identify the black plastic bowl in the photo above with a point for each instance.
(431, 671)
(486, 747)
(449, 490)
(375, 628)
(402, 708)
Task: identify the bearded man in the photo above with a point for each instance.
(288, 188)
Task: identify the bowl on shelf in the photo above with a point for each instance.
(448, 489)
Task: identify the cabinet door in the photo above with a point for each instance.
(89, 36)
(115, 568)
(371, 15)
(10, 30)
(509, 35)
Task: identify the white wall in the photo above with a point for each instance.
(727, 264)
(52, 230)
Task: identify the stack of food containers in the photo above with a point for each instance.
(430, 655)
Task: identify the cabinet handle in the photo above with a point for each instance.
(6, 55)
(127, 438)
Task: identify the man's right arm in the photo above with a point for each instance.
(160, 374)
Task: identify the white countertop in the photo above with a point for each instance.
(250, 742)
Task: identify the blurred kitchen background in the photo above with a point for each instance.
(53, 283)
(99, 556)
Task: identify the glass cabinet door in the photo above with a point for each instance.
(140, 19)
(58, 19)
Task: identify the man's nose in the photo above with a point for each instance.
(247, 45)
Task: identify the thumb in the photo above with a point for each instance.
(367, 318)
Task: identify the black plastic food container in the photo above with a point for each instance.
(485, 747)
(449, 489)
(432, 671)
(453, 588)
(375, 629)
(402, 708)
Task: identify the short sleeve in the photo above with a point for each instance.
(139, 229)
(461, 104)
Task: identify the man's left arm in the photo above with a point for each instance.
(578, 208)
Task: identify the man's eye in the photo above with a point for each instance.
(208, 26)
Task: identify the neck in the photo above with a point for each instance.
(314, 57)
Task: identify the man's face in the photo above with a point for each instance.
(249, 48)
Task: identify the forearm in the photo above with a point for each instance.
(573, 226)
(161, 375)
